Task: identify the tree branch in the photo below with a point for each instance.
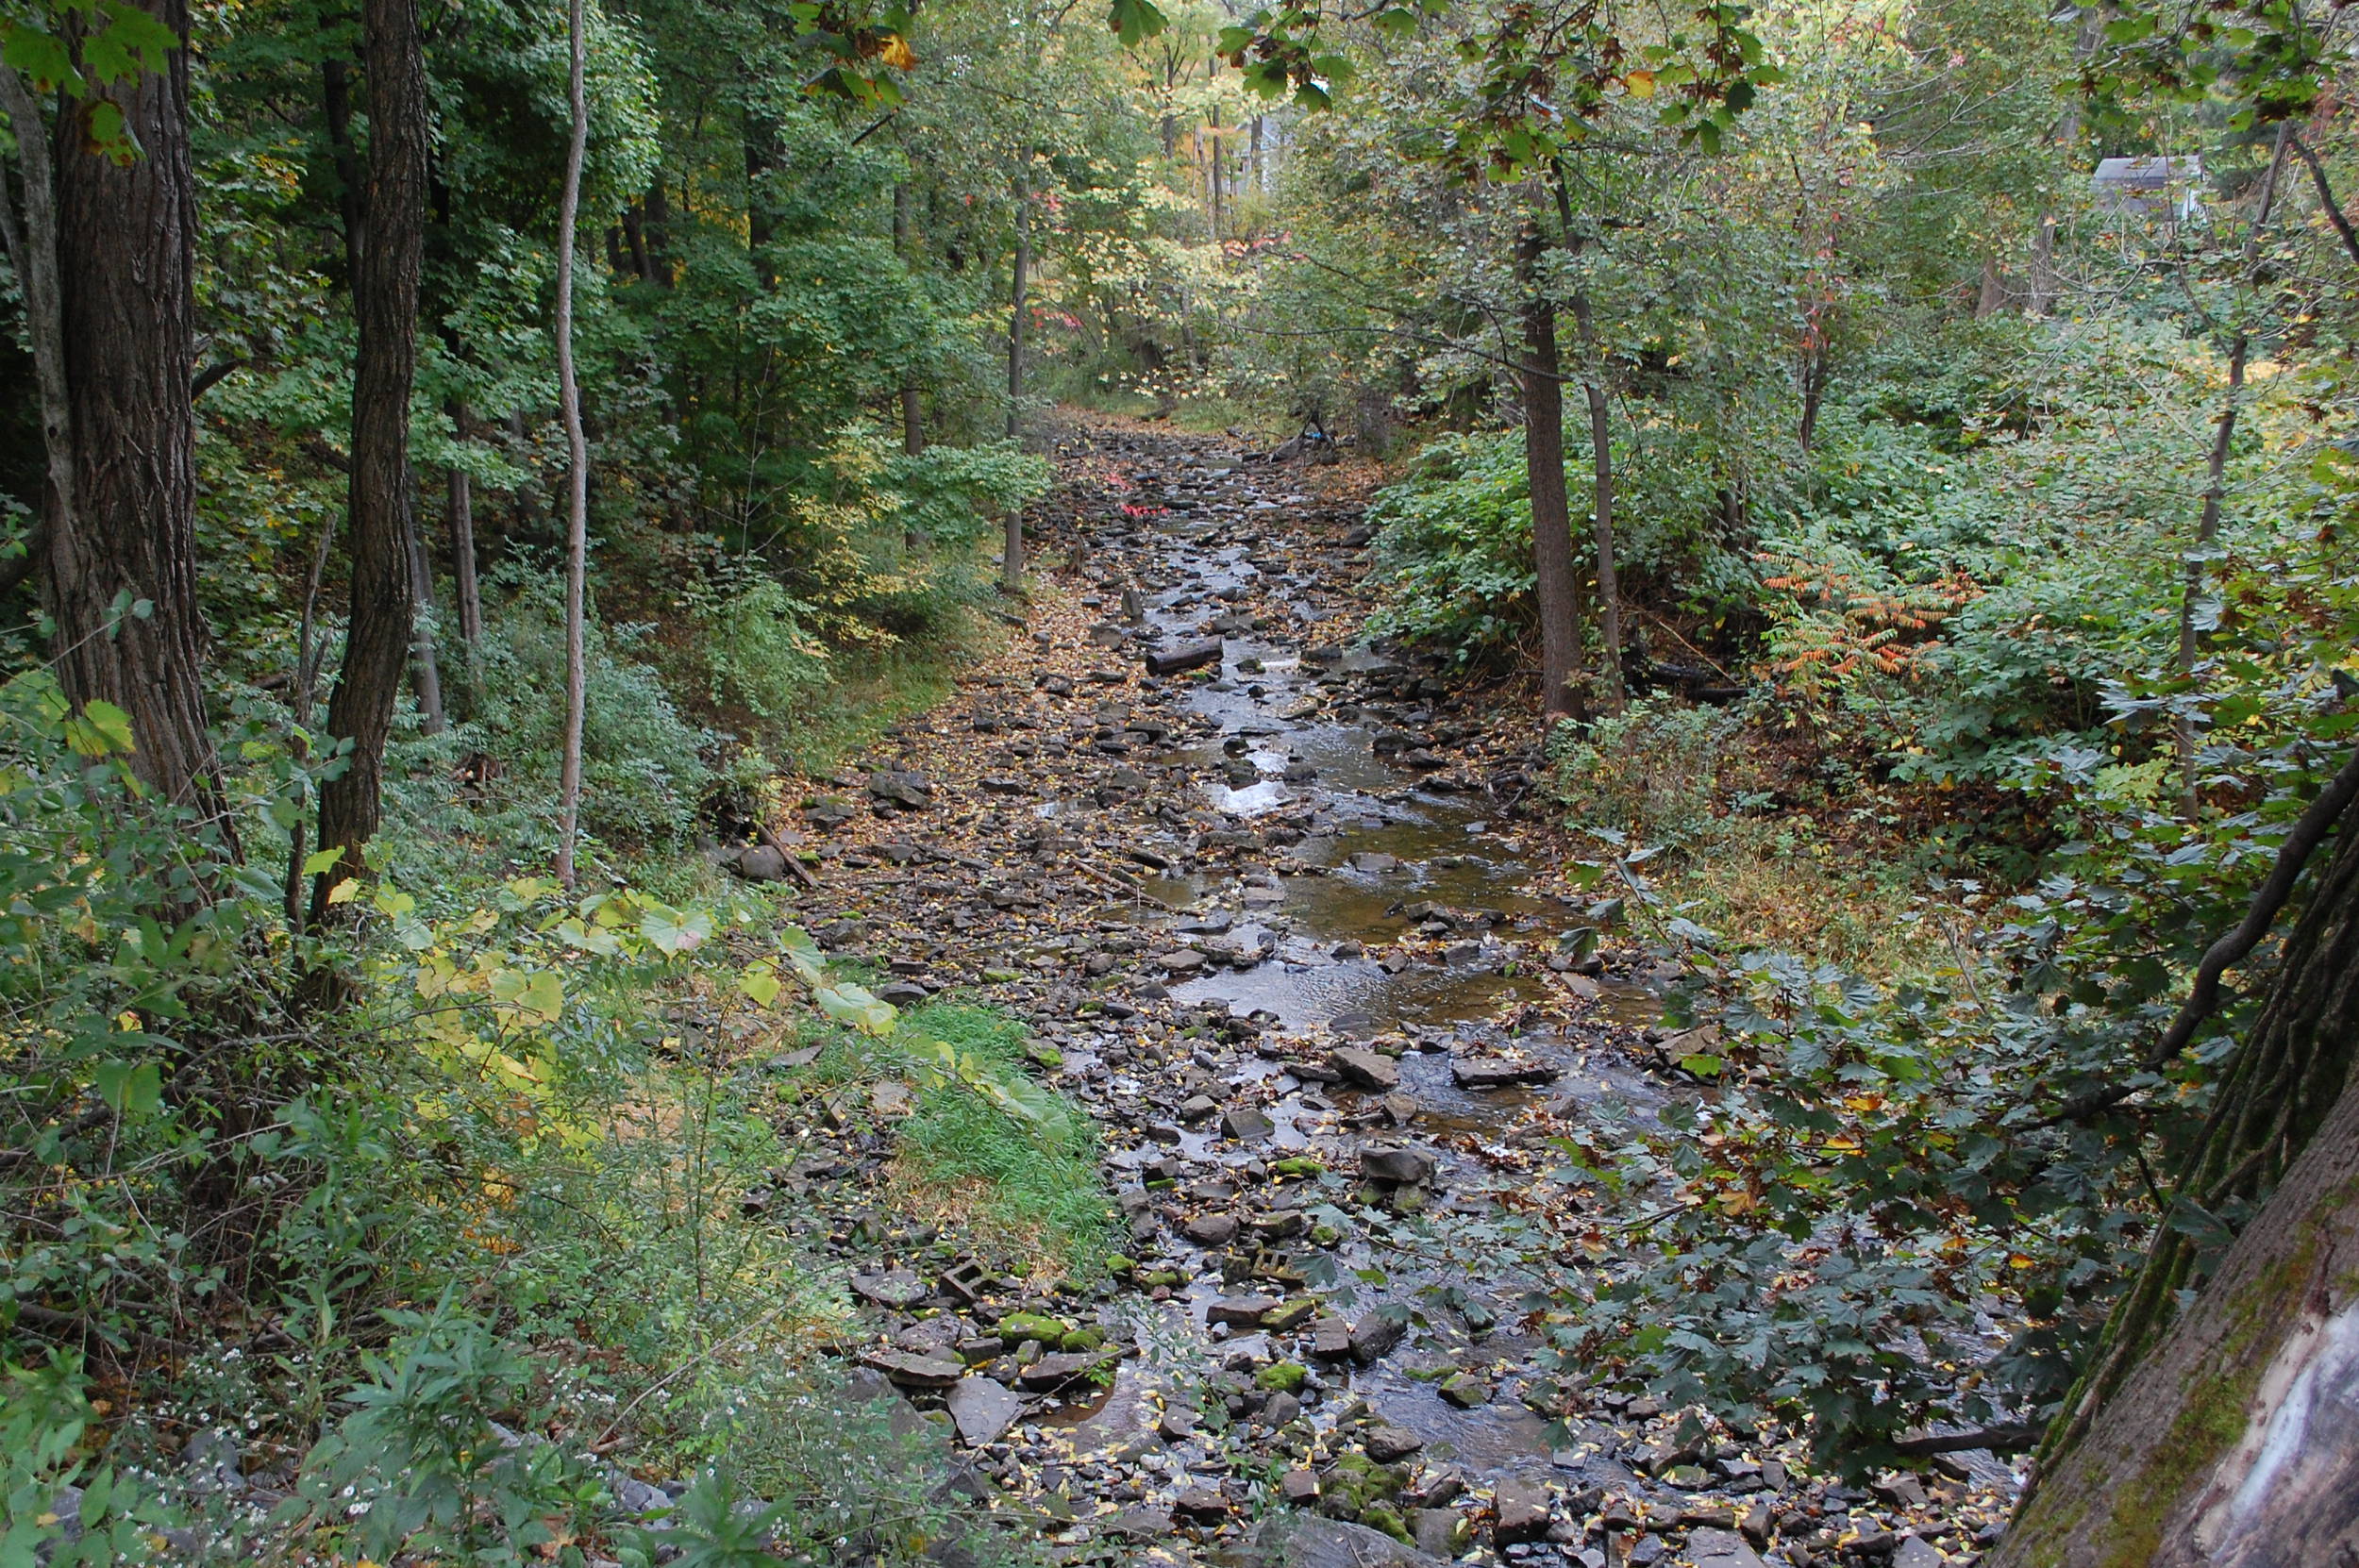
(2326, 197)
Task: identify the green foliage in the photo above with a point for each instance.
(1653, 774)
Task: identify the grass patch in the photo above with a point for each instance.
(1026, 1186)
(1031, 1188)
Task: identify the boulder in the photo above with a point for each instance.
(1711, 1548)
(983, 1409)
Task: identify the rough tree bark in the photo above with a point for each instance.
(391, 246)
(121, 574)
(1543, 465)
(2228, 1442)
(578, 460)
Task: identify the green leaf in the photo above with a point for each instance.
(761, 982)
(322, 859)
(673, 930)
(1134, 21)
(43, 58)
(133, 1088)
(854, 1005)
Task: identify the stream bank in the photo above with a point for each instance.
(1290, 926)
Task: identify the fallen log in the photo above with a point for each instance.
(1172, 661)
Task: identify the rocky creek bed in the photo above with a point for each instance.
(1288, 922)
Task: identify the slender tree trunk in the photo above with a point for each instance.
(426, 666)
(122, 532)
(383, 505)
(1260, 183)
(1012, 562)
(577, 453)
(2215, 475)
(460, 495)
(1213, 173)
(1601, 502)
(1993, 296)
(2224, 1437)
(659, 228)
(912, 420)
(2043, 296)
(1544, 464)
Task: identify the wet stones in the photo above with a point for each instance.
(1240, 1311)
(1210, 1231)
(1391, 1444)
(1247, 1126)
(1500, 1072)
(1520, 1511)
(910, 1370)
(983, 1410)
(899, 1289)
(1465, 1390)
(909, 791)
(1374, 1336)
(1363, 1068)
(1398, 1166)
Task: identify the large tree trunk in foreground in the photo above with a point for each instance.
(2231, 1441)
(1552, 512)
(383, 505)
(126, 536)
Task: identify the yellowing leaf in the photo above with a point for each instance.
(1641, 84)
(897, 52)
(761, 982)
(343, 891)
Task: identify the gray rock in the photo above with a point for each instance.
(901, 1288)
(1247, 1126)
(983, 1409)
(1386, 1445)
(759, 864)
(1520, 1511)
(1441, 1531)
(1201, 1504)
(1210, 1231)
(1139, 1525)
(1240, 1311)
(1308, 1541)
(1499, 1071)
(1405, 1166)
(1465, 1390)
(914, 1370)
(1916, 1552)
(1375, 1334)
(1362, 1069)
(1712, 1548)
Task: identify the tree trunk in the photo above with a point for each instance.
(462, 563)
(1012, 562)
(383, 505)
(658, 227)
(2226, 1439)
(577, 467)
(425, 668)
(1993, 296)
(33, 252)
(1543, 465)
(121, 583)
(1601, 502)
(912, 421)
(1213, 173)
(2043, 296)
(2216, 473)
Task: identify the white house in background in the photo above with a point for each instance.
(2166, 187)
